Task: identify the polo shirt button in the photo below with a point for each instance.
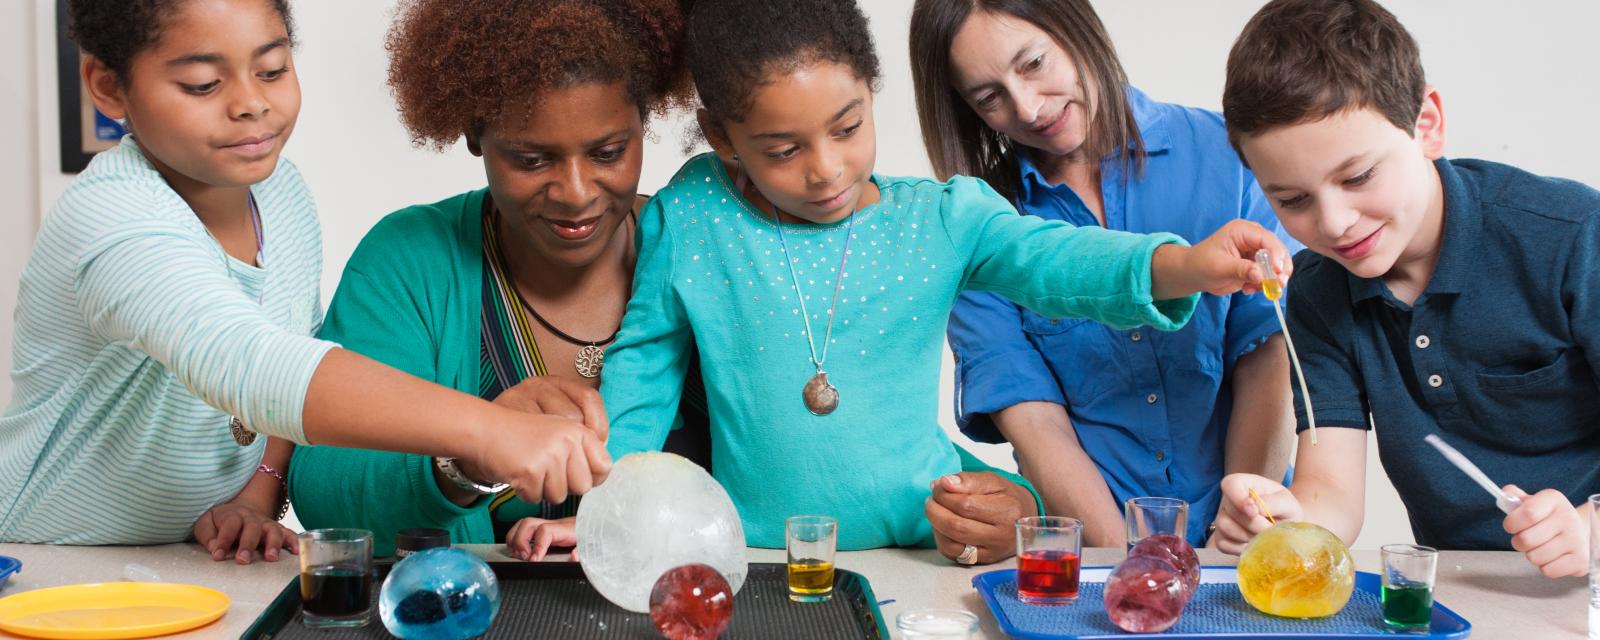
(1161, 455)
(1435, 381)
(1152, 398)
(1423, 342)
(1136, 336)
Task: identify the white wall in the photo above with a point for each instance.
(1518, 86)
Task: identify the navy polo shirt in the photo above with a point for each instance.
(1498, 355)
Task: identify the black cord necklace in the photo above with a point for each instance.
(591, 358)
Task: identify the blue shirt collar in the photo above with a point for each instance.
(1463, 228)
(1151, 129)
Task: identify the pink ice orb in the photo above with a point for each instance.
(1145, 595)
(1174, 550)
(691, 602)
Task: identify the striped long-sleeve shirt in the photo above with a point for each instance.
(137, 337)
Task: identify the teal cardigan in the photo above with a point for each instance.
(411, 297)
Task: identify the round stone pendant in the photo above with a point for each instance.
(241, 435)
(590, 360)
(821, 398)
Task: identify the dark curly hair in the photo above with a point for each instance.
(456, 66)
(113, 31)
(735, 44)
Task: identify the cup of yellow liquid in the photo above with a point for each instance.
(811, 542)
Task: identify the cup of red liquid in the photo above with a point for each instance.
(1048, 551)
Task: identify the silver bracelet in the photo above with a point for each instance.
(448, 467)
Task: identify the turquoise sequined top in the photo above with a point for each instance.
(711, 273)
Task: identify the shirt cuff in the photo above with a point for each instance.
(997, 381)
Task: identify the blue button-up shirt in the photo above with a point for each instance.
(1497, 356)
(1150, 408)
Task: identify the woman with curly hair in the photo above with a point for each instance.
(511, 292)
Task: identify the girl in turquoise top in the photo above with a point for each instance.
(817, 291)
(172, 294)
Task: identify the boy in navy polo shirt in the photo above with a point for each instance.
(1457, 297)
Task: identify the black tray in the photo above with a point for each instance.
(554, 601)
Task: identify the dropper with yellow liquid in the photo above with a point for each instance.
(1273, 289)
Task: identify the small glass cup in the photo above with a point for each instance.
(1594, 567)
(944, 624)
(335, 577)
(1150, 516)
(1407, 596)
(1048, 558)
(811, 542)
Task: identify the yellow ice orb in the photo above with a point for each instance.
(1296, 570)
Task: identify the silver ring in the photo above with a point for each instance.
(969, 556)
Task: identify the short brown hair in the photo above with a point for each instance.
(458, 65)
(1304, 60)
(958, 141)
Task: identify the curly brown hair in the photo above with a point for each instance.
(456, 66)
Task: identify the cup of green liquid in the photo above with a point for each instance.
(1407, 597)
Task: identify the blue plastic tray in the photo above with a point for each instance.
(8, 566)
(1216, 611)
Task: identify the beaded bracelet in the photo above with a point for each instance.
(283, 486)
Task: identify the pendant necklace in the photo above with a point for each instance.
(821, 398)
(242, 434)
(591, 358)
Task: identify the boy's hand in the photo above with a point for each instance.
(980, 509)
(1239, 518)
(1220, 264)
(234, 528)
(1549, 533)
(531, 538)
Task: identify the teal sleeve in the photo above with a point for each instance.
(379, 490)
(1057, 269)
(646, 366)
(971, 462)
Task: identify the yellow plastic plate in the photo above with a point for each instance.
(111, 610)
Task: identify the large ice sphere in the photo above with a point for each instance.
(1296, 570)
(691, 602)
(656, 511)
(439, 594)
(1175, 550)
(1145, 595)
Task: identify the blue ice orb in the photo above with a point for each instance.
(439, 594)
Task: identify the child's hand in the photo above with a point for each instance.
(233, 528)
(531, 538)
(1221, 264)
(1549, 532)
(1239, 518)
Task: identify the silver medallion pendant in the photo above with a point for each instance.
(821, 398)
(241, 435)
(590, 360)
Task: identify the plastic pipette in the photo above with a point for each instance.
(1273, 288)
(1505, 502)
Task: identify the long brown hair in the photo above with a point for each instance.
(958, 141)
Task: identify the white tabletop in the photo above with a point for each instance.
(1498, 592)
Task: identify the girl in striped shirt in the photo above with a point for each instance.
(172, 294)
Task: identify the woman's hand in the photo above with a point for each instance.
(978, 509)
(239, 529)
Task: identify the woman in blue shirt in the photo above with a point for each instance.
(1030, 96)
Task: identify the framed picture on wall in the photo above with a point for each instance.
(84, 130)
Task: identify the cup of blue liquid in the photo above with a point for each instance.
(335, 578)
(1407, 597)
